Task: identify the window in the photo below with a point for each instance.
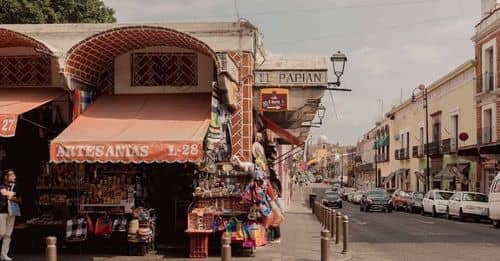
(487, 125)
(454, 133)
(436, 132)
(164, 69)
(421, 148)
(431, 196)
(488, 71)
(407, 151)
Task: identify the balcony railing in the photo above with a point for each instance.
(485, 135)
(434, 148)
(382, 157)
(453, 145)
(446, 146)
(402, 154)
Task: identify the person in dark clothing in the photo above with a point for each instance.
(7, 192)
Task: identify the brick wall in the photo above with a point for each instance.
(242, 118)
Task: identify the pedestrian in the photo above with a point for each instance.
(276, 186)
(7, 193)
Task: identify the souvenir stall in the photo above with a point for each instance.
(118, 175)
(232, 199)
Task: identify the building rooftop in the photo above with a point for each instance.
(278, 62)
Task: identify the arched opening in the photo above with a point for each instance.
(91, 60)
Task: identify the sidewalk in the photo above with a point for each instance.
(300, 240)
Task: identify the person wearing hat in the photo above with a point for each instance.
(7, 192)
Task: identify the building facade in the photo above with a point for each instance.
(487, 41)
(400, 138)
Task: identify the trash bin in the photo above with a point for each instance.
(312, 199)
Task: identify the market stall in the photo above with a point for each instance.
(109, 161)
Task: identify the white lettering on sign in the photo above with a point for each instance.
(119, 150)
(7, 125)
(290, 78)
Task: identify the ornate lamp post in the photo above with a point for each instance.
(423, 89)
(338, 60)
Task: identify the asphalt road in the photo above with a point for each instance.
(404, 236)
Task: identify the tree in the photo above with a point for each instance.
(55, 11)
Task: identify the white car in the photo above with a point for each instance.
(356, 199)
(436, 202)
(468, 204)
(494, 201)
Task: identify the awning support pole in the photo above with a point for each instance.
(37, 125)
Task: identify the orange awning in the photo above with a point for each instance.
(16, 101)
(137, 128)
(284, 134)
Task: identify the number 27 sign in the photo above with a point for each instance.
(8, 125)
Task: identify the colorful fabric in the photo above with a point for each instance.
(81, 100)
(76, 229)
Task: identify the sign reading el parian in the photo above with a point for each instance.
(291, 78)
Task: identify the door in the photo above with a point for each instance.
(427, 202)
(494, 200)
(454, 204)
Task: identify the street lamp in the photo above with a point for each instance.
(423, 89)
(321, 115)
(338, 60)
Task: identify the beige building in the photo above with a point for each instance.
(401, 137)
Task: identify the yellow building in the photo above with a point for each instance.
(401, 137)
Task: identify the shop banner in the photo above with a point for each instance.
(8, 124)
(274, 99)
(126, 152)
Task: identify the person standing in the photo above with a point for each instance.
(7, 192)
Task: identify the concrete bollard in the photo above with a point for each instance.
(337, 228)
(332, 221)
(325, 245)
(345, 236)
(226, 248)
(329, 219)
(51, 250)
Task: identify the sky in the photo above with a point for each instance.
(391, 45)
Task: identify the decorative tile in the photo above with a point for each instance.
(164, 69)
(25, 71)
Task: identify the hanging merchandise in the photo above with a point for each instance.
(103, 226)
(76, 229)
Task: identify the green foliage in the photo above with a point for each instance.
(55, 11)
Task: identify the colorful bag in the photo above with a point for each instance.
(14, 209)
(103, 226)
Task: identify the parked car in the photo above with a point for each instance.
(377, 199)
(436, 202)
(332, 199)
(468, 204)
(414, 203)
(356, 199)
(494, 201)
(344, 192)
(350, 196)
(400, 199)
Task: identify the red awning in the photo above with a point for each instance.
(136, 129)
(16, 101)
(284, 134)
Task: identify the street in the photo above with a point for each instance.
(404, 236)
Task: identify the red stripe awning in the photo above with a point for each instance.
(16, 101)
(137, 129)
(284, 134)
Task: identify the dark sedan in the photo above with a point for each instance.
(376, 200)
(332, 199)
